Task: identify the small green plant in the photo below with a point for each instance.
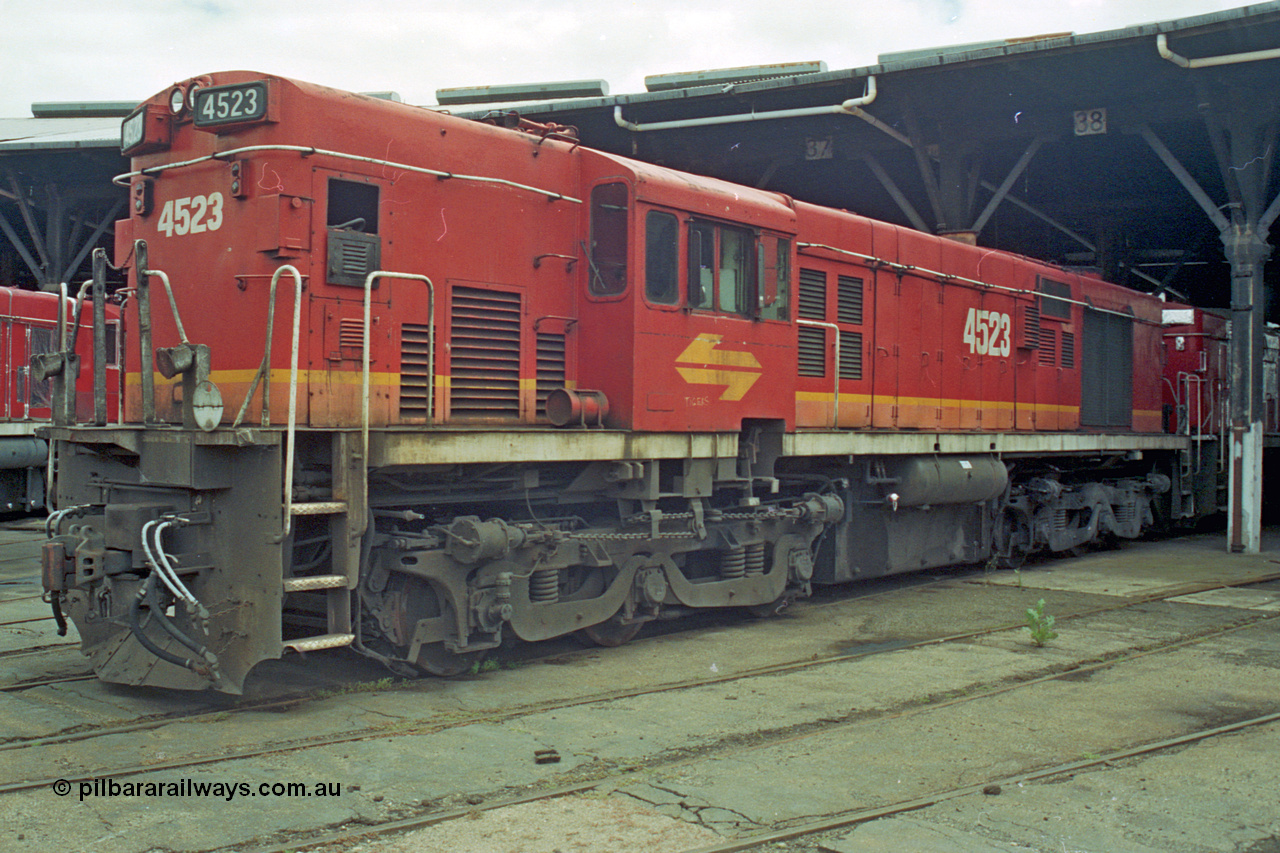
(1040, 624)
(492, 665)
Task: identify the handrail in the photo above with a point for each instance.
(364, 379)
(263, 374)
(308, 151)
(291, 435)
(835, 369)
(173, 303)
(431, 349)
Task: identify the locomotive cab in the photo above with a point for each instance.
(686, 314)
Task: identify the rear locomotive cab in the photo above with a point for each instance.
(407, 383)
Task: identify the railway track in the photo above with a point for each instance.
(518, 708)
(770, 841)
(414, 728)
(765, 840)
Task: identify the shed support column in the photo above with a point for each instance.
(1247, 251)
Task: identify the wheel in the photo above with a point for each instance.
(612, 632)
(411, 599)
(1011, 561)
(435, 659)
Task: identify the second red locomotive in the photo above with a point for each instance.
(412, 383)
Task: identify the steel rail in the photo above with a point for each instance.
(845, 818)
(419, 727)
(45, 682)
(863, 815)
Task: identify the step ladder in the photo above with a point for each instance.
(347, 514)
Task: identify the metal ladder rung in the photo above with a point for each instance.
(310, 582)
(324, 641)
(318, 508)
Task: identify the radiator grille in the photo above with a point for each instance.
(813, 294)
(551, 367)
(849, 301)
(1030, 327)
(1048, 347)
(415, 372)
(484, 364)
(812, 351)
(1068, 350)
(850, 355)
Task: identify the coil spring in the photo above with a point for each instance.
(755, 559)
(733, 563)
(1059, 519)
(544, 585)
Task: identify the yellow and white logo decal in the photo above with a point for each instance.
(736, 370)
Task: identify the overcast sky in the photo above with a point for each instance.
(70, 50)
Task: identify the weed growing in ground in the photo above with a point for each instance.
(491, 665)
(1040, 624)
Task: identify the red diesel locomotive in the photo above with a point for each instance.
(414, 383)
(32, 328)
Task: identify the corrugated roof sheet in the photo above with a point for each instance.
(40, 134)
(924, 58)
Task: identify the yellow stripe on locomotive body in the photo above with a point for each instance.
(544, 389)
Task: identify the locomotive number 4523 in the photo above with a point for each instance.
(988, 332)
(193, 215)
(229, 104)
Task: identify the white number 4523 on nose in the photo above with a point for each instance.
(194, 215)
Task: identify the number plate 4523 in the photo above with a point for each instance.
(988, 332)
(194, 215)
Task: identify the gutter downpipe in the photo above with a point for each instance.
(1162, 45)
(849, 107)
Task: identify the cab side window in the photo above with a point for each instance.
(734, 281)
(773, 289)
(608, 256)
(702, 264)
(661, 266)
(721, 268)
